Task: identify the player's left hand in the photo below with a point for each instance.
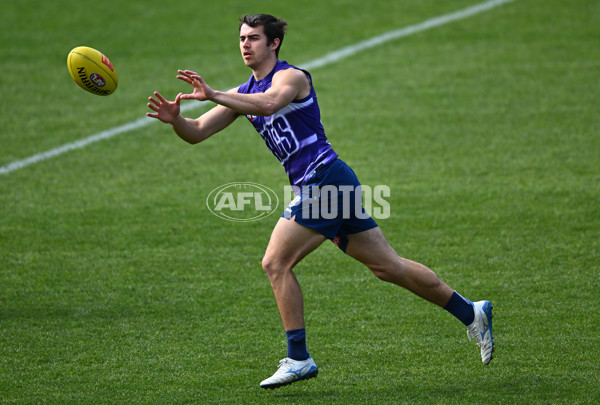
(164, 110)
(202, 91)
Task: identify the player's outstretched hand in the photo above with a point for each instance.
(164, 110)
(202, 91)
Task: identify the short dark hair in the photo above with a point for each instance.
(274, 27)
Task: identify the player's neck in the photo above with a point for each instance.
(262, 70)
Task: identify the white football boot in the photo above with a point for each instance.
(290, 371)
(481, 329)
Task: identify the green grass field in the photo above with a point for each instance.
(117, 284)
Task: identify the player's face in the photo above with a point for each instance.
(253, 45)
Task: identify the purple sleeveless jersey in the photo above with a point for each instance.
(293, 134)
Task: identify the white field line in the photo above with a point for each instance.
(329, 58)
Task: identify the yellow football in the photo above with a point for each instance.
(92, 71)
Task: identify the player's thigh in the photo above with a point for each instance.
(372, 249)
(290, 242)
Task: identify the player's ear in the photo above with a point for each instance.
(275, 43)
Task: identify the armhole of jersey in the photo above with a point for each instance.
(312, 87)
(308, 76)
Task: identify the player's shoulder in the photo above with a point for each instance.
(291, 73)
(289, 70)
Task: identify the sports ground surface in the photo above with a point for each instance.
(118, 284)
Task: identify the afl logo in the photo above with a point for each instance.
(242, 202)
(97, 80)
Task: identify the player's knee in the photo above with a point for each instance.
(272, 267)
(267, 265)
(381, 272)
(390, 271)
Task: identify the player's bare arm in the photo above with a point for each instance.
(287, 85)
(191, 130)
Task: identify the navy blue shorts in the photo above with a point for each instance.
(331, 202)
